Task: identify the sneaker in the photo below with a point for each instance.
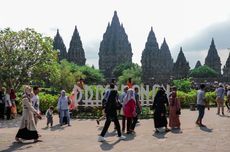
(101, 139)
(122, 137)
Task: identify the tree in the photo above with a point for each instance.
(121, 67)
(92, 76)
(133, 72)
(183, 84)
(20, 53)
(203, 72)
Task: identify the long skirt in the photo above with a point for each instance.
(27, 134)
(160, 121)
(174, 120)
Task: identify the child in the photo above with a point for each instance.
(49, 116)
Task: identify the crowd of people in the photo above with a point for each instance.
(8, 107)
(166, 109)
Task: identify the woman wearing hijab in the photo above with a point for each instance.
(159, 107)
(174, 111)
(28, 129)
(129, 105)
(111, 115)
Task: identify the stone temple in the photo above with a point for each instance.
(76, 52)
(181, 66)
(213, 60)
(226, 70)
(59, 45)
(115, 48)
(156, 63)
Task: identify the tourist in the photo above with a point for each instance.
(104, 101)
(228, 98)
(2, 102)
(80, 85)
(138, 109)
(111, 115)
(122, 97)
(28, 129)
(220, 98)
(35, 101)
(49, 116)
(159, 106)
(13, 101)
(201, 103)
(63, 108)
(8, 104)
(130, 83)
(174, 110)
(130, 108)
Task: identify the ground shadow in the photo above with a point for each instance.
(130, 136)
(226, 116)
(58, 127)
(18, 146)
(105, 146)
(206, 129)
(160, 135)
(113, 133)
(176, 131)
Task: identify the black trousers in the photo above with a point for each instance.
(8, 113)
(107, 124)
(123, 123)
(129, 123)
(133, 125)
(2, 108)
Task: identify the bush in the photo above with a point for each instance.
(47, 100)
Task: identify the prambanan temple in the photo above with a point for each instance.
(157, 62)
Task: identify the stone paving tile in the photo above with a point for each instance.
(82, 136)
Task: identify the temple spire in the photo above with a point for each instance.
(226, 69)
(198, 64)
(59, 45)
(213, 60)
(115, 48)
(181, 66)
(76, 52)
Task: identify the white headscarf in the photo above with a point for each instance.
(130, 95)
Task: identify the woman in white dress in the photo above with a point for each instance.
(27, 130)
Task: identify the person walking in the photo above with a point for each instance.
(174, 111)
(201, 103)
(228, 98)
(220, 98)
(36, 102)
(63, 107)
(159, 106)
(130, 109)
(111, 115)
(138, 109)
(122, 98)
(27, 130)
(49, 116)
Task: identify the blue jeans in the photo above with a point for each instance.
(201, 109)
(64, 113)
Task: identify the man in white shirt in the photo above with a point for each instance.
(220, 98)
(201, 103)
(35, 102)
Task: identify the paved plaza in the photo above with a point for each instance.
(82, 136)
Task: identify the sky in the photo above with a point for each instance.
(187, 23)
